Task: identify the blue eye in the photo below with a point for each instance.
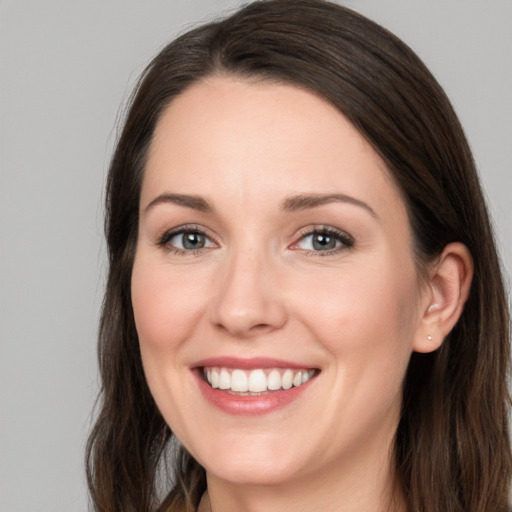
(188, 240)
(185, 240)
(324, 240)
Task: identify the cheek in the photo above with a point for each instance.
(166, 305)
(367, 312)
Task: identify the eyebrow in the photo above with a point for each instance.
(291, 204)
(188, 201)
(306, 201)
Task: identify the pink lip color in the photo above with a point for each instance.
(247, 405)
(248, 364)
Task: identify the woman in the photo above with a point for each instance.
(304, 306)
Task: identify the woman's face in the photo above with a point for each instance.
(274, 259)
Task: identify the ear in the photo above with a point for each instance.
(447, 289)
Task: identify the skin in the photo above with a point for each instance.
(260, 289)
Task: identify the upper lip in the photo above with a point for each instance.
(249, 363)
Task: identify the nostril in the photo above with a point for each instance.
(260, 327)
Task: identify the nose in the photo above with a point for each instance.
(247, 300)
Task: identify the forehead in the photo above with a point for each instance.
(259, 140)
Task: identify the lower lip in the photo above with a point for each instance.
(249, 405)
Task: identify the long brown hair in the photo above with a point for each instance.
(452, 450)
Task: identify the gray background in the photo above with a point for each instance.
(65, 67)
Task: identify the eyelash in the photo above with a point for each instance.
(164, 240)
(344, 239)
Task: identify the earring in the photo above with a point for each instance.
(429, 338)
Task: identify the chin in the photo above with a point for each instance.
(260, 465)
(252, 473)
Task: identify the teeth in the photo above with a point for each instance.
(256, 381)
(224, 379)
(215, 379)
(274, 380)
(238, 381)
(287, 379)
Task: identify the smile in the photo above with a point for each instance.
(256, 381)
(252, 386)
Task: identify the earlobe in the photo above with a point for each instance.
(448, 284)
